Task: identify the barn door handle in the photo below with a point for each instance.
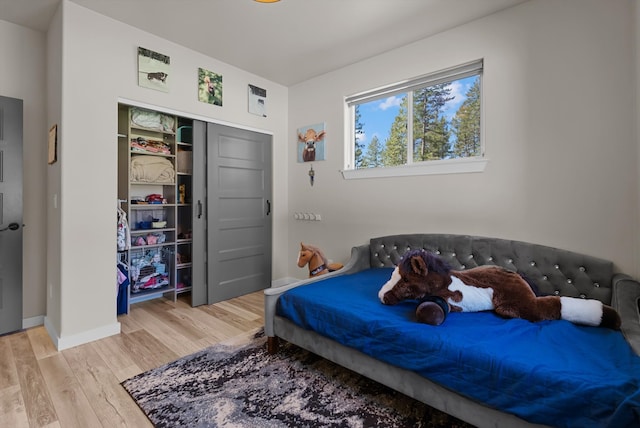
(12, 226)
(199, 209)
(268, 207)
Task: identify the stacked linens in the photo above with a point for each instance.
(152, 169)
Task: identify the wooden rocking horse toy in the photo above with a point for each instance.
(421, 274)
(317, 261)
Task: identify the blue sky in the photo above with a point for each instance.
(377, 116)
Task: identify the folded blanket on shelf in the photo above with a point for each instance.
(152, 120)
(152, 169)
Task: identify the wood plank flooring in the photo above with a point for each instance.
(80, 387)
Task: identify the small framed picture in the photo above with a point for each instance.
(209, 87)
(257, 101)
(311, 143)
(53, 145)
(153, 70)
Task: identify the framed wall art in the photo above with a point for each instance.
(257, 101)
(209, 87)
(52, 156)
(153, 70)
(311, 143)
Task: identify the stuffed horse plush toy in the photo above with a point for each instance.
(317, 261)
(421, 274)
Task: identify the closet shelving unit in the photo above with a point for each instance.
(184, 183)
(157, 204)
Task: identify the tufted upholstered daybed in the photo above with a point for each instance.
(587, 355)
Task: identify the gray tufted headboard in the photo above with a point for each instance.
(554, 271)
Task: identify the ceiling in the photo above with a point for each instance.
(286, 42)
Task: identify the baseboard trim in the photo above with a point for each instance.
(62, 343)
(33, 321)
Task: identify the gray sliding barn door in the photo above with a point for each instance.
(10, 215)
(231, 212)
(238, 212)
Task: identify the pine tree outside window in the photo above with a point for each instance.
(439, 113)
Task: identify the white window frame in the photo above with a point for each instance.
(444, 166)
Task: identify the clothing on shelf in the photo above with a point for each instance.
(149, 270)
(122, 285)
(143, 145)
(124, 233)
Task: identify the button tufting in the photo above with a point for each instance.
(545, 277)
(453, 254)
(382, 245)
(510, 261)
(557, 292)
(395, 247)
(437, 251)
(583, 296)
(490, 258)
(462, 266)
(376, 254)
(596, 284)
(569, 281)
(532, 263)
(581, 269)
(470, 256)
(556, 266)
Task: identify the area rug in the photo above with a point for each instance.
(243, 386)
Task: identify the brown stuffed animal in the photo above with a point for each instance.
(421, 273)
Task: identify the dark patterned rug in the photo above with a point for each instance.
(243, 386)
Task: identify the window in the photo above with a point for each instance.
(438, 113)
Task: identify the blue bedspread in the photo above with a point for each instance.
(551, 372)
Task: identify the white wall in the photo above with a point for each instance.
(558, 128)
(22, 76)
(53, 290)
(99, 66)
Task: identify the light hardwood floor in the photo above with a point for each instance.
(80, 387)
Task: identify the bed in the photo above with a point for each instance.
(479, 367)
